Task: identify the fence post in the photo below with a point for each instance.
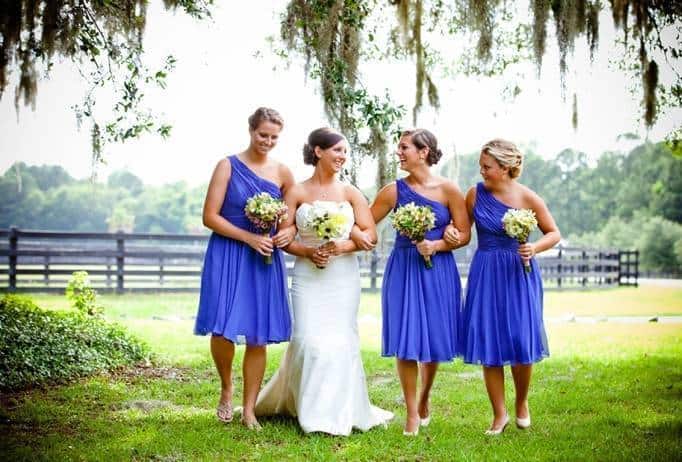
(637, 268)
(373, 271)
(584, 267)
(161, 271)
(13, 245)
(46, 276)
(120, 251)
(558, 268)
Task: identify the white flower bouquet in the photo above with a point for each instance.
(518, 224)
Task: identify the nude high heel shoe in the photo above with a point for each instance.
(523, 423)
(498, 431)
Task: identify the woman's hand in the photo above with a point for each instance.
(451, 235)
(425, 248)
(363, 240)
(332, 248)
(527, 251)
(284, 236)
(260, 243)
(319, 257)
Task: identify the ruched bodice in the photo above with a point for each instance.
(244, 183)
(304, 216)
(420, 306)
(502, 317)
(242, 298)
(488, 213)
(407, 195)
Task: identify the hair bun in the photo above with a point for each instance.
(308, 155)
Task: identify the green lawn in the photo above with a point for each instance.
(608, 392)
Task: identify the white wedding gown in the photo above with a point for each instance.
(321, 379)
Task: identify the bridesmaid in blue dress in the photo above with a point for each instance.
(244, 300)
(502, 317)
(420, 306)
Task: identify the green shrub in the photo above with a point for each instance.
(81, 294)
(42, 347)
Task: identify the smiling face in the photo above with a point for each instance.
(409, 155)
(333, 157)
(264, 137)
(491, 171)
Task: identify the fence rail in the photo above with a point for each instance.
(42, 261)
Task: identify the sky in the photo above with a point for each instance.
(225, 70)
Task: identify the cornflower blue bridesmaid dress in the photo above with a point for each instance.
(502, 318)
(242, 298)
(420, 306)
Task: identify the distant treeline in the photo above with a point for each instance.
(625, 200)
(47, 197)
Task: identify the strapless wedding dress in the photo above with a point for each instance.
(321, 379)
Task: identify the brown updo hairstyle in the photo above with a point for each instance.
(423, 138)
(324, 138)
(506, 154)
(265, 114)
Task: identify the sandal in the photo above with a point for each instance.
(224, 412)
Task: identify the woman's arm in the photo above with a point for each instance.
(551, 235)
(384, 202)
(215, 196)
(460, 215)
(460, 218)
(285, 233)
(452, 235)
(382, 205)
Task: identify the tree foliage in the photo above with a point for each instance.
(326, 32)
(650, 32)
(104, 38)
(583, 195)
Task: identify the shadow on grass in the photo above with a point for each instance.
(582, 409)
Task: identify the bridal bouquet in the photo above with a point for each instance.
(413, 221)
(518, 224)
(265, 212)
(327, 223)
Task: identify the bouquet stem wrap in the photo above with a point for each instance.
(265, 212)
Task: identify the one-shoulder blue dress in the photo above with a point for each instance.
(420, 306)
(242, 298)
(502, 318)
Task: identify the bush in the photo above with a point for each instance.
(81, 294)
(42, 347)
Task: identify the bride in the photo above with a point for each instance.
(321, 379)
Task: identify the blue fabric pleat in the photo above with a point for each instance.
(420, 306)
(502, 319)
(242, 298)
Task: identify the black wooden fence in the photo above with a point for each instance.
(43, 261)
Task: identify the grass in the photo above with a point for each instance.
(608, 392)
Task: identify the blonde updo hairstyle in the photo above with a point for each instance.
(423, 138)
(506, 154)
